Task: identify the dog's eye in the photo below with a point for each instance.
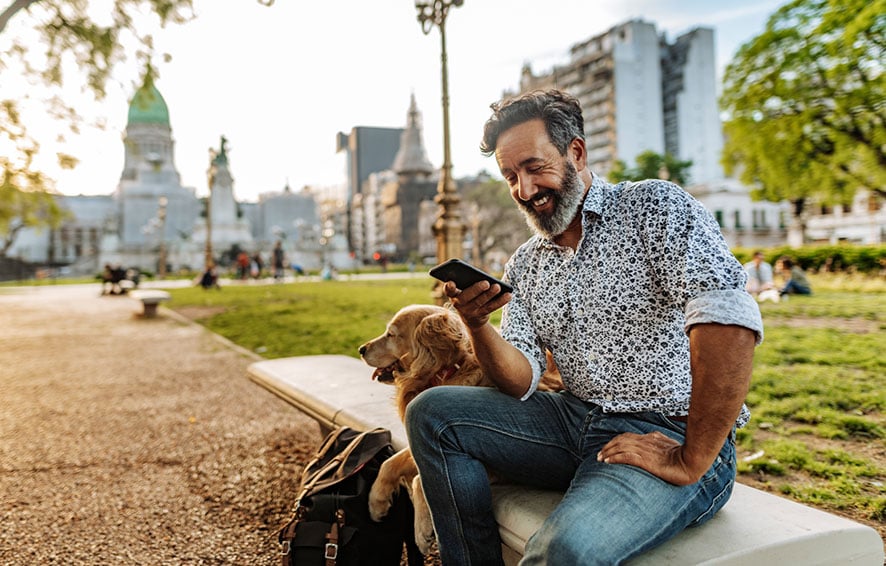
(389, 335)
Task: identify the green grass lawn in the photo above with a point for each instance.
(817, 434)
(297, 319)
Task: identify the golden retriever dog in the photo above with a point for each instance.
(423, 346)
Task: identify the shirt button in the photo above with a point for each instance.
(592, 357)
(608, 396)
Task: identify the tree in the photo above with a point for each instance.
(651, 165)
(805, 107)
(496, 221)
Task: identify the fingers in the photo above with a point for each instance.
(655, 452)
(477, 301)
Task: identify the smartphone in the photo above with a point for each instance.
(464, 275)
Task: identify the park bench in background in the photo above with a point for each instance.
(151, 299)
(754, 528)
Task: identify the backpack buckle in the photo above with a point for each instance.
(331, 551)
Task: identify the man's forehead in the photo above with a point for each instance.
(525, 141)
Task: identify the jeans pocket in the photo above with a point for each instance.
(719, 479)
(718, 501)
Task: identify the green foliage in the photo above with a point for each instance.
(845, 257)
(805, 103)
(25, 197)
(651, 165)
(497, 221)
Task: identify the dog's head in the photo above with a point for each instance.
(422, 346)
(393, 350)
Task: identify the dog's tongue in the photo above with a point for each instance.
(385, 374)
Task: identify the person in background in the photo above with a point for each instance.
(759, 274)
(796, 281)
(209, 279)
(256, 265)
(243, 265)
(637, 295)
(278, 260)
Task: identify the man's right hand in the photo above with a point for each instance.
(477, 302)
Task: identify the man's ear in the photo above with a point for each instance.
(578, 153)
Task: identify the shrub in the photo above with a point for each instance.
(868, 259)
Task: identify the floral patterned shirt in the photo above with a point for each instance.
(616, 311)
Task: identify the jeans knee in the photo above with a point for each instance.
(420, 417)
(562, 546)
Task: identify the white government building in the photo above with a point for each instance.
(150, 208)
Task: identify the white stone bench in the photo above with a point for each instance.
(151, 299)
(754, 528)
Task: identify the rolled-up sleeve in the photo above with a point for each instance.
(517, 329)
(731, 306)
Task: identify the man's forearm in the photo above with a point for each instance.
(722, 362)
(502, 362)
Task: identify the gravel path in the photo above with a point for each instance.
(135, 441)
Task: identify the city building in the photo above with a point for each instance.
(389, 217)
(151, 215)
(367, 150)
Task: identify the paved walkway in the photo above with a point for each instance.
(126, 440)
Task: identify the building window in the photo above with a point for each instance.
(718, 214)
(737, 219)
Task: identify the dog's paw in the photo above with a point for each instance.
(381, 497)
(424, 524)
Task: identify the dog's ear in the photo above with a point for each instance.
(439, 341)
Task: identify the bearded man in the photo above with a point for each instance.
(635, 292)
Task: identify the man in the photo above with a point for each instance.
(759, 274)
(279, 260)
(635, 292)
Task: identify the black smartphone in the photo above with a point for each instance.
(464, 275)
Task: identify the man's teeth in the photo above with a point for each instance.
(541, 201)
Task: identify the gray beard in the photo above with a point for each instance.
(566, 203)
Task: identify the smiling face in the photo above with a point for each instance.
(545, 184)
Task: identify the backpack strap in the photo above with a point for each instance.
(330, 552)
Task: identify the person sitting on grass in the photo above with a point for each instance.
(797, 283)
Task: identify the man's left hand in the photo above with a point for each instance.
(656, 453)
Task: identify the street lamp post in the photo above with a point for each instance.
(207, 251)
(161, 216)
(448, 227)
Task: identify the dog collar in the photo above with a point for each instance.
(441, 376)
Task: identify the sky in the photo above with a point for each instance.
(280, 82)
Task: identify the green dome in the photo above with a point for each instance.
(148, 106)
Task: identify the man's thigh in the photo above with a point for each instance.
(533, 442)
(614, 511)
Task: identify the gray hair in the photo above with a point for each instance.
(560, 112)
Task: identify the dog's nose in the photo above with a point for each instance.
(362, 349)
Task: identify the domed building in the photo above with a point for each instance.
(150, 182)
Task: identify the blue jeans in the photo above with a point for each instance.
(610, 512)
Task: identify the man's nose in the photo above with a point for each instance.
(526, 188)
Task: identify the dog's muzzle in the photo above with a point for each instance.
(386, 374)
